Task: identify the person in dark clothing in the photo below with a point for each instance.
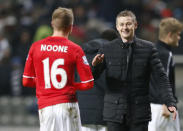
(169, 36)
(91, 102)
(129, 63)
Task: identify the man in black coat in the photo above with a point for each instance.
(129, 63)
(91, 102)
(169, 36)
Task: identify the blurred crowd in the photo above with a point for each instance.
(24, 21)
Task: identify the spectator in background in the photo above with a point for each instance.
(169, 36)
(16, 76)
(91, 102)
(23, 45)
(5, 49)
(5, 68)
(129, 63)
(50, 67)
(18, 59)
(42, 32)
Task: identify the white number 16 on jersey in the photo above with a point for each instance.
(54, 72)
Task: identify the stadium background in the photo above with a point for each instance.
(25, 21)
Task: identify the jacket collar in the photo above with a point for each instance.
(128, 44)
(163, 44)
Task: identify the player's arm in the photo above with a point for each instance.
(84, 71)
(84, 86)
(28, 82)
(29, 76)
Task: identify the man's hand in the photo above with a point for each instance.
(173, 110)
(97, 59)
(166, 112)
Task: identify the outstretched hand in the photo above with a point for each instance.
(166, 113)
(97, 59)
(172, 109)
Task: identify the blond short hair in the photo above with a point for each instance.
(126, 13)
(62, 18)
(169, 25)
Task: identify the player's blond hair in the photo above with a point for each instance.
(169, 25)
(62, 18)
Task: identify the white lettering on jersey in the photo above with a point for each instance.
(85, 61)
(54, 48)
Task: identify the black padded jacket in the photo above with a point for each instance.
(127, 96)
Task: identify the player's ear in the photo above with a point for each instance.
(52, 23)
(70, 29)
(169, 37)
(169, 34)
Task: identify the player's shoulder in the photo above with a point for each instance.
(145, 43)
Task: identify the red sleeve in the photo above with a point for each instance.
(29, 72)
(83, 67)
(84, 86)
(29, 82)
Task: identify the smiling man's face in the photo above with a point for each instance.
(126, 27)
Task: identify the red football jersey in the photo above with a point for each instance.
(52, 62)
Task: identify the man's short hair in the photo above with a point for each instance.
(62, 18)
(126, 13)
(168, 25)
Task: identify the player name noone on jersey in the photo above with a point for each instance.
(54, 48)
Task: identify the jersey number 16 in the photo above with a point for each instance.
(54, 72)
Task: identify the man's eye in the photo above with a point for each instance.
(129, 24)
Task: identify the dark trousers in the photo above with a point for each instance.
(114, 126)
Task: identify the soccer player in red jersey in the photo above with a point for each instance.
(50, 67)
